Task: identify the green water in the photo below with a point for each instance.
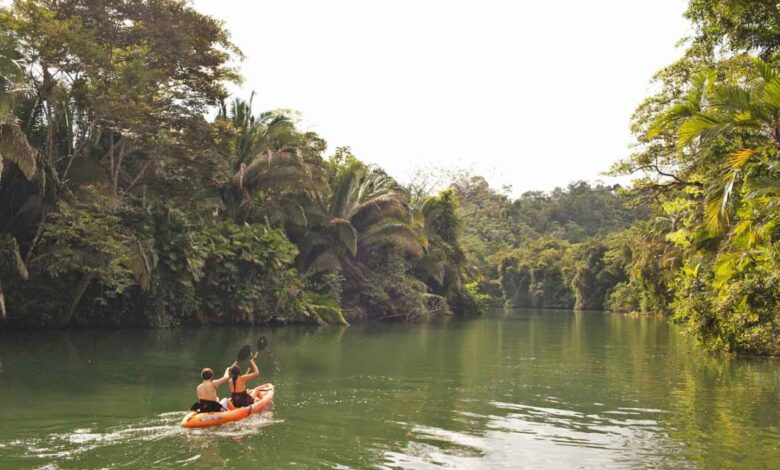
(521, 389)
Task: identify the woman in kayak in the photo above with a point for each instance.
(207, 392)
(237, 385)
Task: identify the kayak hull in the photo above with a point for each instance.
(265, 394)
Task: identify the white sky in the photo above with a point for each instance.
(533, 94)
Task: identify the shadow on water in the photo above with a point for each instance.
(516, 389)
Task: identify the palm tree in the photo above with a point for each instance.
(276, 187)
(277, 169)
(748, 115)
(254, 135)
(443, 264)
(365, 209)
(14, 146)
(15, 149)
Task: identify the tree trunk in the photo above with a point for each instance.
(2, 303)
(84, 283)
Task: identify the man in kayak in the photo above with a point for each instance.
(207, 392)
(237, 384)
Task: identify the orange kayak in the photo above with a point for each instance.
(265, 393)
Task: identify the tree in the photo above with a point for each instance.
(364, 209)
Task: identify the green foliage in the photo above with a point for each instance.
(596, 274)
(544, 250)
(325, 309)
(498, 225)
(128, 207)
(121, 204)
(469, 301)
(538, 275)
(126, 222)
(83, 238)
(708, 146)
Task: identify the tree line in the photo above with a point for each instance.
(569, 248)
(707, 149)
(705, 248)
(122, 203)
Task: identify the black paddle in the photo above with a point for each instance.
(243, 353)
(261, 344)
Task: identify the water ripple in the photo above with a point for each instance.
(73, 443)
(518, 435)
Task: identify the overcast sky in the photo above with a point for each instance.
(532, 94)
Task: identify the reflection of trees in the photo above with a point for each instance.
(717, 406)
(726, 411)
(350, 394)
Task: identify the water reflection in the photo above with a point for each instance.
(518, 389)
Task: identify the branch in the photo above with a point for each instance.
(654, 167)
(115, 176)
(135, 180)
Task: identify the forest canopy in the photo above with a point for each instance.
(135, 191)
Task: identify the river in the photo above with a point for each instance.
(515, 389)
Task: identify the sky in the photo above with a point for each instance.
(530, 94)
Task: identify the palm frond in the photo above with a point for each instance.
(347, 234)
(687, 107)
(732, 99)
(324, 262)
(763, 186)
(325, 309)
(15, 148)
(706, 126)
(10, 246)
(381, 200)
(737, 160)
(768, 73)
(344, 189)
(433, 264)
(402, 237)
(714, 209)
(312, 244)
(772, 93)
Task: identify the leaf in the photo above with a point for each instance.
(733, 99)
(9, 243)
(705, 126)
(139, 264)
(713, 214)
(325, 309)
(15, 148)
(767, 72)
(772, 93)
(739, 159)
(324, 262)
(347, 234)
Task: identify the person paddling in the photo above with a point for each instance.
(237, 384)
(207, 392)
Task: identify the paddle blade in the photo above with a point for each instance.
(261, 343)
(244, 353)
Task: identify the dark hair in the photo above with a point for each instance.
(235, 371)
(206, 374)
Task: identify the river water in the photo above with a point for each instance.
(514, 389)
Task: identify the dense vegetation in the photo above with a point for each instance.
(708, 145)
(565, 249)
(122, 204)
(706, 166)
